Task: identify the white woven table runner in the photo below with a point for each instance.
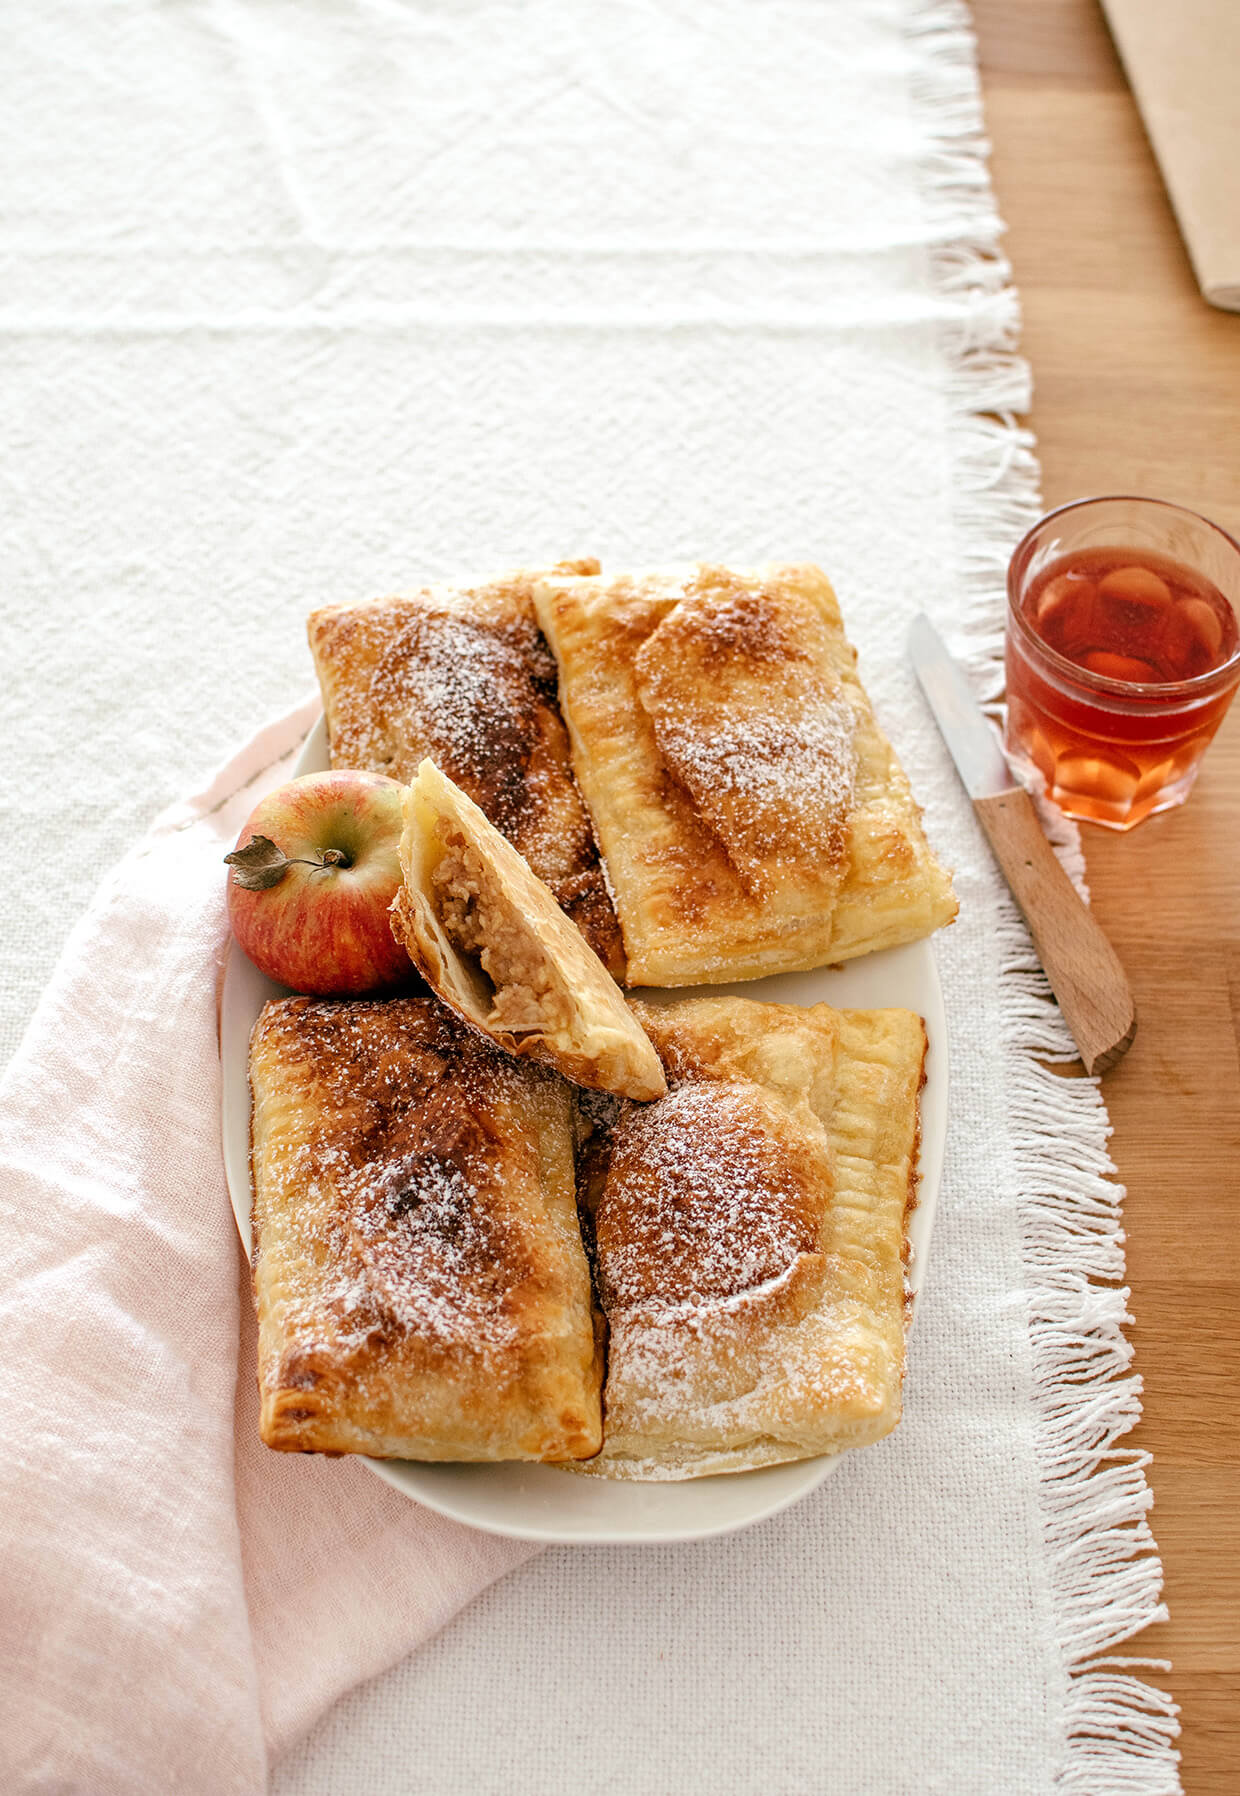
(309, 302)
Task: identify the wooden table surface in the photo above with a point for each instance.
(1137, 389)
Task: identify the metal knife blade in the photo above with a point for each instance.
(973, 744)
(1079, 961)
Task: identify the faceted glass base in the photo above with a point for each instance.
(1098, 786)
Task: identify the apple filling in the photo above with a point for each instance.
(495, 941)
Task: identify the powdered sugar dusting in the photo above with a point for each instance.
(702, 1201)
(751, 720)
(464, 692)
(401, 1209)
(780, 776)
(432, 1251)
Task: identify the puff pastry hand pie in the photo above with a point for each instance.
(749, 1237)
(419, 1276)
(461, 674)
(491, 941)
(751, 814)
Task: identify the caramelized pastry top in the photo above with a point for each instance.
(750, 719)
(421, 1287)
(406, 1118)
(463, 676)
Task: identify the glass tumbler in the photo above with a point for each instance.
(1123, 653)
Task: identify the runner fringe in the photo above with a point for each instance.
(1106, 1578)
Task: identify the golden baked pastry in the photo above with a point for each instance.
(460, 674)
(421, 1287)
(491, 941)
(749, 1237)
(751, 814)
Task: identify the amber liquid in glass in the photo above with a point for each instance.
(1130, 616)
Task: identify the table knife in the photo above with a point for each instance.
(1082, 966)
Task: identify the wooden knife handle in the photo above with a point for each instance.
(1080, 963)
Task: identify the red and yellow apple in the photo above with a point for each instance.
(313, 874)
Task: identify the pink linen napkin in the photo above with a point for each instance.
(177, 1603)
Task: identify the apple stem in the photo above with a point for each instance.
(261, 865)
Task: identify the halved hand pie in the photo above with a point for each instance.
(490, 940)
(421, 1287)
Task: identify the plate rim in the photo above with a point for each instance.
(244, 989)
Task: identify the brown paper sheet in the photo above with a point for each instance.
(1182, 58)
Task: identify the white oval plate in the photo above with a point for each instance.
(539, 1502)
